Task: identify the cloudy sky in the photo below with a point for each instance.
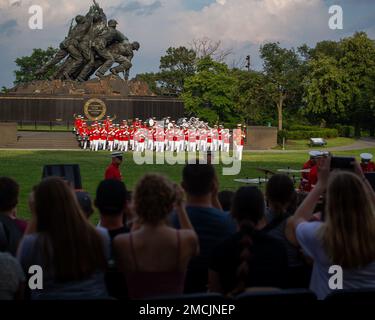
(158, 24)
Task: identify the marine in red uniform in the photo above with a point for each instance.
(366, 164)
(113, 170)
(310, 178)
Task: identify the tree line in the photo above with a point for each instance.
(332, 83)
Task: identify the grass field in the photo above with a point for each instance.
(304, 144)
(26, 168)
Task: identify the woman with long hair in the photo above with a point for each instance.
(249, 258)
(346, 236)
(281, 201)
(70, 251)
(154, 256)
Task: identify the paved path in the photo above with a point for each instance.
(363, 143)
(30, 140)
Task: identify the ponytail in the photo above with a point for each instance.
(246, 243)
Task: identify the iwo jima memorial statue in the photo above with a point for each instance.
(91, 62)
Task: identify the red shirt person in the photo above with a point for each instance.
(310, 179)
(366, 164)
(113, 170)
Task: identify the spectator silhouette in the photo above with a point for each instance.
(249, 258)
(154, 257)
(69, 249)
(210, 222)
(344, 237)
(112, 203)
(225, 199)
(11, 228)
(281, 199)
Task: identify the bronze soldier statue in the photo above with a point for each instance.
(123, 55)
(100, 47)
(92, 44)
(69, 47)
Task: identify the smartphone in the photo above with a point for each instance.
(342, 163)
(371, 178)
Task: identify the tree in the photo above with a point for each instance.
(205, 47)
(340, 84)
(4, 89)
(210, 93)
(253, 101)
(283, 72)
(326, 88)
(28, 65)
(177, 65)
(358, 63)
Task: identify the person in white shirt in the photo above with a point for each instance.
(344, 236)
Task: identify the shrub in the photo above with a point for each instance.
(345, 131)
(298, 127)
(320, 133)
(280, 135)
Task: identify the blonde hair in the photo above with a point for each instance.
(348, 233)
(154, 197)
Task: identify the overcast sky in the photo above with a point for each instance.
(158, 24)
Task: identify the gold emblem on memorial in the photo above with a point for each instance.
(95, 109)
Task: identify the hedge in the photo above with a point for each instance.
(345, 131)
(299, 127)
(321, 133)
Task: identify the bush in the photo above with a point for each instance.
(307, 134)
(280, 135)
(298, 127)
(345, 131)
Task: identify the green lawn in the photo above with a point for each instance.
(26, 168)
(304, 144)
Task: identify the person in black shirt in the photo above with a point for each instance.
(10, 228)
(113, 204)
(282, 199)
(249, 258)
(210, 222)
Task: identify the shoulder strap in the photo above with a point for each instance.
(178, 249)
(132, 250)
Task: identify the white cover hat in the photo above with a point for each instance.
(366, 156)
(315, 154)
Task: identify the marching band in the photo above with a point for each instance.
(160, 136)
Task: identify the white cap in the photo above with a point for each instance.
(315, 154)
(366, 156)
(116, 154)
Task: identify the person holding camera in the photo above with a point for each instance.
(344, 236)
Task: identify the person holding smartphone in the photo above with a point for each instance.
(345, 238)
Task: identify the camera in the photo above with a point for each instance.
(342, 163)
